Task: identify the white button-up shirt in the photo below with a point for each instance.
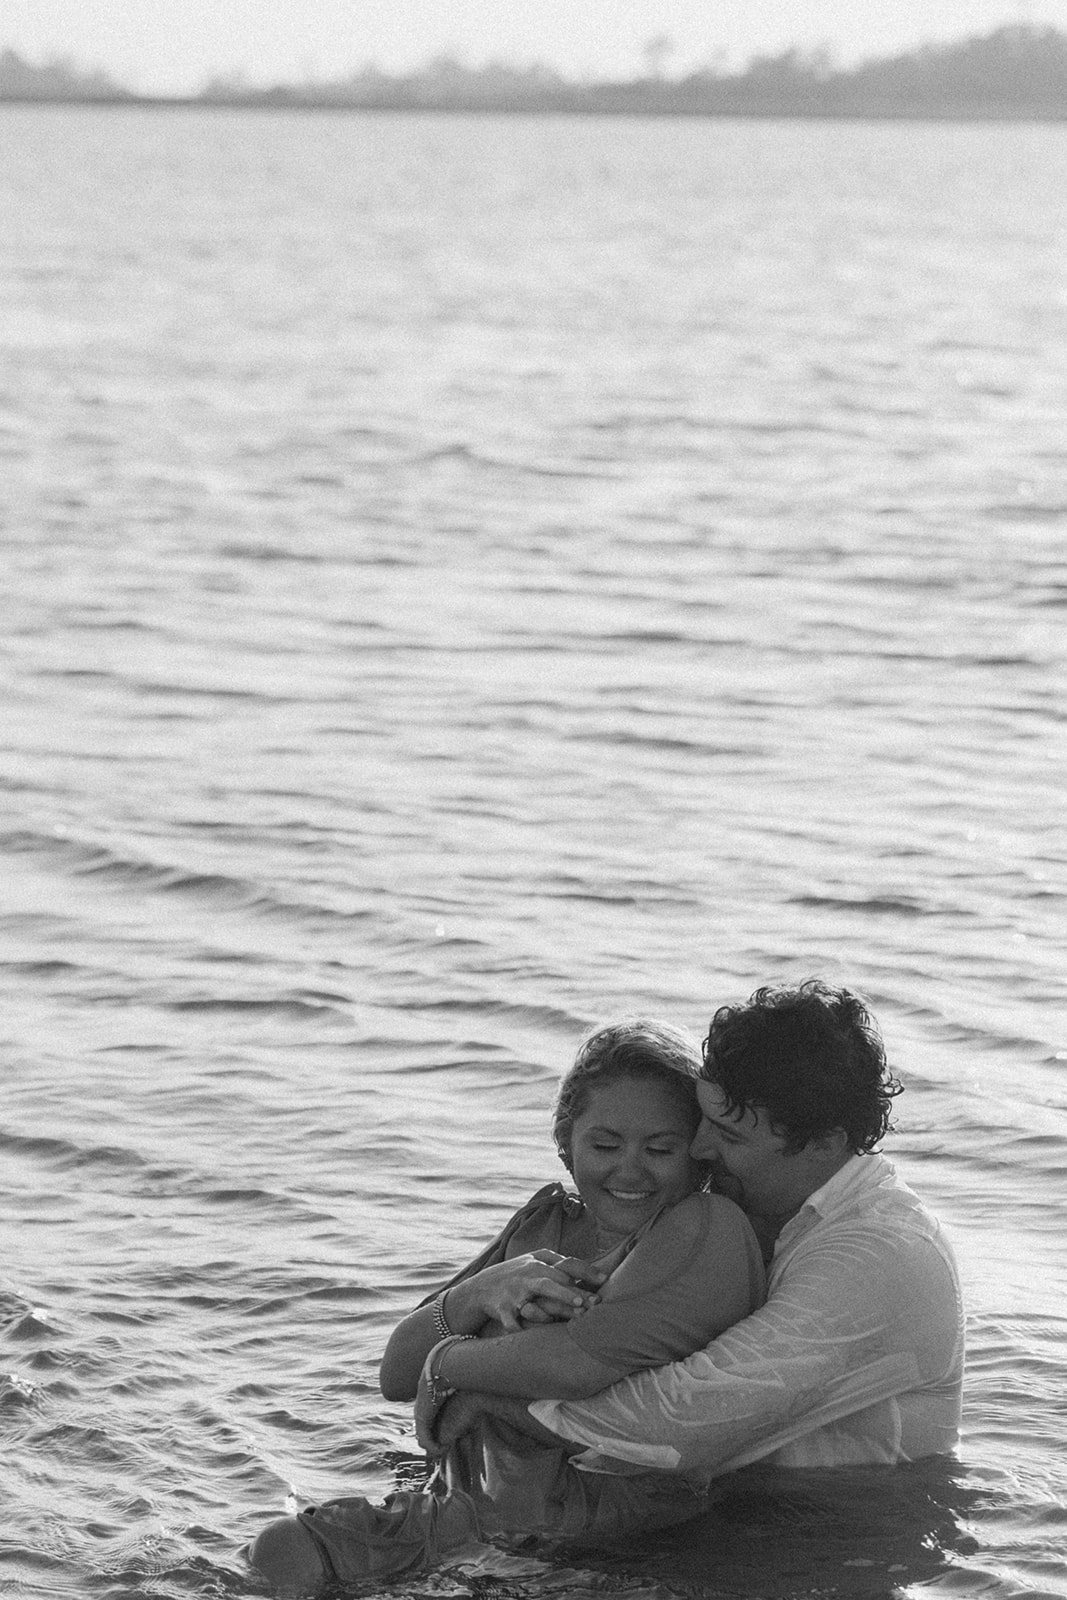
(855, 1357)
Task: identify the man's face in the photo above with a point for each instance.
(748, 1159)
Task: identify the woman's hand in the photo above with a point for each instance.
(540, 1287)
(456, 1417)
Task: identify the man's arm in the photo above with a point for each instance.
(855, 1319)
(463, 1410)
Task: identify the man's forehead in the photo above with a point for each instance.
(714, 1104)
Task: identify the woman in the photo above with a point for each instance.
(637, 1269)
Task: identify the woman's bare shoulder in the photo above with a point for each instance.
(697, 1217)
(703, 1206)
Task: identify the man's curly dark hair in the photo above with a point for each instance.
(811, 1057)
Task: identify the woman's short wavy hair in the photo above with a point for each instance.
(635, 1048)
(811, 1057)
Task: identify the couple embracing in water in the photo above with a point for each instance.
(738, 1277)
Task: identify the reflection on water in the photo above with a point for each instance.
(865, 1533)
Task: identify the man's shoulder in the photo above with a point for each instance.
(874, 1221)
(868, 1186)
(867, 1200)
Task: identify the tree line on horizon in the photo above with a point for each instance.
(1018, 69)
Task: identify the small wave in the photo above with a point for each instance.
(84, 1440)
(345, 1293)
(194, 691)
(990, 1039)
(585, 895)
(640, 636)
(40, 969)
(63, 1154)
(98, 861)
(287, 1422)
(291, 1007)
(171, 690)
(149, 1179)
(626, 739)
(451, 452)
(103, 864)
(1026, 511)
(245, 1197)
(875, 906)
(267, 554)
(467, 456)
(17, 1393)
(775, 428)
(30, 1327)
(538, 1016)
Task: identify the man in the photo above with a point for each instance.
(857, 1354)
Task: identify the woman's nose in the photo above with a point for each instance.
(630, 1161)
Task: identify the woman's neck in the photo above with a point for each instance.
(586, 1238)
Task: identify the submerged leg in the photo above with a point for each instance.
(288, 1557)
(349, 1540)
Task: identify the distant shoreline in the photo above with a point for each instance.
(1017, 73)
(289, 101)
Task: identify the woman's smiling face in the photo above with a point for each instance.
(630, 1152)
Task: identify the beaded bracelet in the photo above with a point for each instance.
(440, 1321)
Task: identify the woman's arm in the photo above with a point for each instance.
(498, 1294)
(537, 1364)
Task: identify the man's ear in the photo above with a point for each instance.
(829, 1149)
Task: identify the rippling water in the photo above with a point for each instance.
(463, 579)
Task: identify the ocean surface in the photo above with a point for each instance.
(463, 580)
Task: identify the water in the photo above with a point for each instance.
(464, 579)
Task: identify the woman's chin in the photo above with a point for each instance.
(622, 1217)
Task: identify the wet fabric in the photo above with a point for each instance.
(408, 1532)
(856, 1356)
(496, 1483)
(537, 1225)
(519, 1486)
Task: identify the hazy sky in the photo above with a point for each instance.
(172, 46)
